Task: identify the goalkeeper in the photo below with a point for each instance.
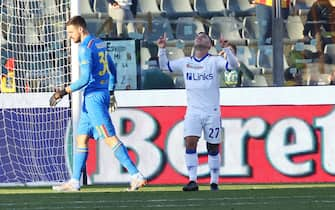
(95, 121)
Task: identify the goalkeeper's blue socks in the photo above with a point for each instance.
(79, 161)
(121, 153)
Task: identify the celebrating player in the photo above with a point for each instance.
(94, 119)
(202, 82)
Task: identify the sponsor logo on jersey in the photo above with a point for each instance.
(191, 66)
(199, 76)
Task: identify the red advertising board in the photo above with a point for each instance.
(262, 144)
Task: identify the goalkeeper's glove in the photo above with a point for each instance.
(112, 102)
(56, 97)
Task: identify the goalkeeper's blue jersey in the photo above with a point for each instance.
(97, 70)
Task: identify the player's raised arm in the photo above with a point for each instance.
(162, 55)
(232, 61)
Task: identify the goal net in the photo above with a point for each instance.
(35, 60)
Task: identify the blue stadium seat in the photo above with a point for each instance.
(303, 6)
(100, 6)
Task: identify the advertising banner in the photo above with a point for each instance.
(125, 54)
(271, 135)
(261, 144)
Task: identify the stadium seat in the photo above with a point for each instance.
(240, 8)
(259, 81)
(157, 28)
(265, 59)
(250, 29)
(229, 27)
(31, 34)
(146, 6)
(329, 68)
(300, 46)
(294, 28)
(85, 8)
(99, 27)
(50, 7)
(179, 82)
(329, 51)
(174, 53)
(188, 27)
(303, 6)
(100, 6)
(3, 33)
(209, 8)
(177, 8)
(13, 30)
(145, 55)
(247, 55)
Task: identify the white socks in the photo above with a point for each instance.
(214, 162)
(214, 166)
(191, 161)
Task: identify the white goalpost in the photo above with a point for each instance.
(35, 60)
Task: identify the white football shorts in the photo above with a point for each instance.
(194, 124)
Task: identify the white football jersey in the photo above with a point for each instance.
(202, 81)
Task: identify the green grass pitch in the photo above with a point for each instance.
(230, 197)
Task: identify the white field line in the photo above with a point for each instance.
(166, 203)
